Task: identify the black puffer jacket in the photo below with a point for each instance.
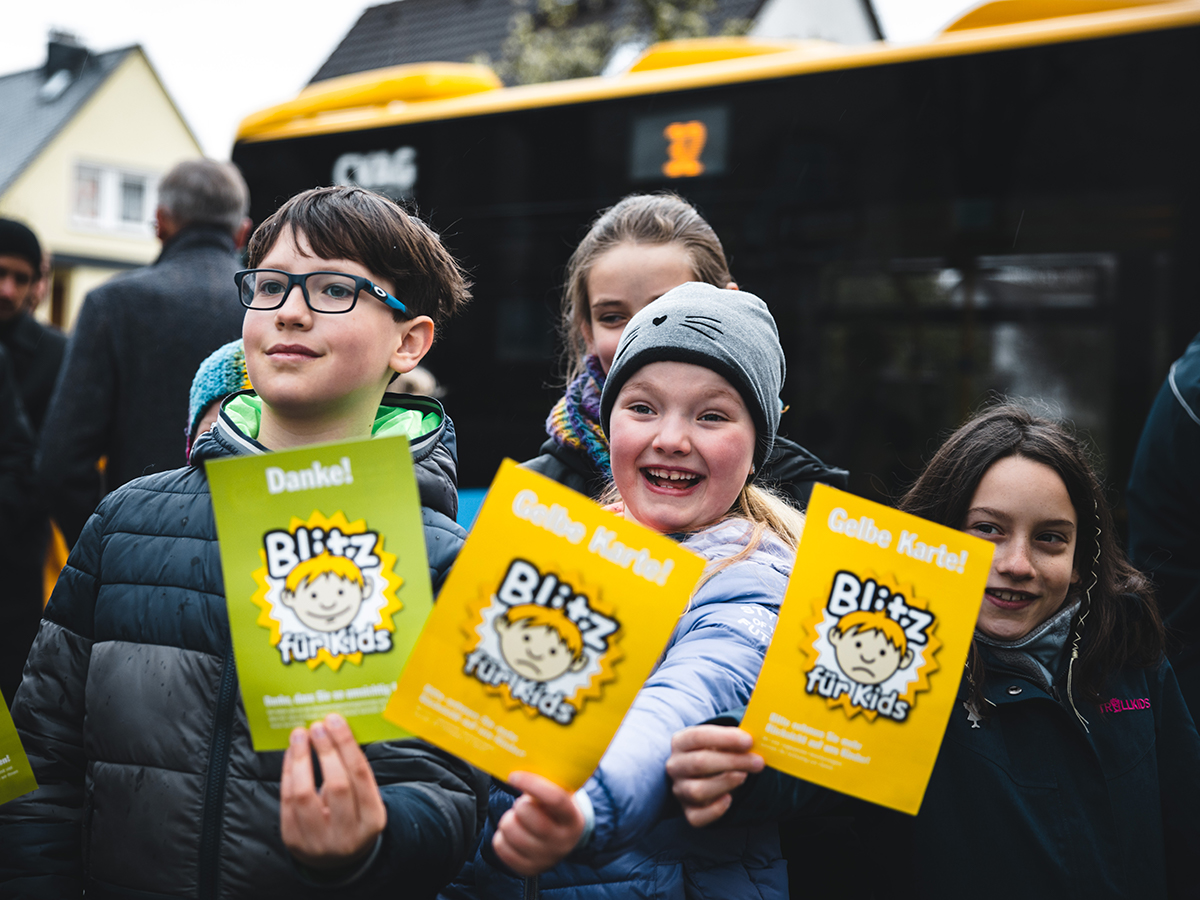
(132, 718)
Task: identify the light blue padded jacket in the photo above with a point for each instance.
(642, 846)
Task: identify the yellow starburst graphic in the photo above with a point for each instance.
(592, 690)
(929, 663)
(392, 583)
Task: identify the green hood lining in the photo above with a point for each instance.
(246, 412)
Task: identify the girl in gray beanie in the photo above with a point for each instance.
(730, 332)
(690, 407)
(634, 253)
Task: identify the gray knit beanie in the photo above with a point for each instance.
(730, 332)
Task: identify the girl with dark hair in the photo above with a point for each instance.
(632, 254)
(1071, 754)
(1106, 593)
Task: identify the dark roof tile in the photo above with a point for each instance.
(410, 31)
(29, 121)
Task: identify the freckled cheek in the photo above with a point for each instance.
(1062, 578)
(1053, 568)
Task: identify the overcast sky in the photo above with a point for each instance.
(224, 59)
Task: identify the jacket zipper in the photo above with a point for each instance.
(531, 888)
(214, 785)
(1076, 638)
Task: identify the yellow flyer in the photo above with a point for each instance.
(16, 775)
(553, 616)
(326, 581)
(864, 667)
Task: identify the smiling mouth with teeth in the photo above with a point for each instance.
(671, 478)
(1010, 596)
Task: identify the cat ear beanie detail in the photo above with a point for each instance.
(730, 332)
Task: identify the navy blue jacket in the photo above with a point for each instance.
(1027, 803)
(1162, 498)
(131, 715)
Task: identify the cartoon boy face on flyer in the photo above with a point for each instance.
(542, 645)
(327, 591)
(872, 648)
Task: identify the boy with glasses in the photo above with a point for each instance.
(129, 708)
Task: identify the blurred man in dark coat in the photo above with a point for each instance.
(20, 574)
(123, 391)
(30, 356)
(34, 350)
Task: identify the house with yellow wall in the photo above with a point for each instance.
(84, 140)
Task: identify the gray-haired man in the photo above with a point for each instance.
(122, 393)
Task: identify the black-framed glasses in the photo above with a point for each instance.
(324, 292)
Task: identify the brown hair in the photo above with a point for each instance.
(372, 230)
(664, 218)
(1123, 622)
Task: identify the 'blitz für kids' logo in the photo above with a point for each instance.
(326, 591)
(542, 645)
(872, 649)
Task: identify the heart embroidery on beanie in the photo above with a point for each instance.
(659, 320)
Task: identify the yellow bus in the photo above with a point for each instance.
(1013, 206)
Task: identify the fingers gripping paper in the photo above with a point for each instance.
(326, 581)
(864, 667)
(552, 618)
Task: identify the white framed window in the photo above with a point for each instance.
(133, 198)
(112, 199)
(87, 192)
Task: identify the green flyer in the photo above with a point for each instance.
(326, 580)
(16, 775)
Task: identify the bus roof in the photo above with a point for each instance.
(431, 91)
